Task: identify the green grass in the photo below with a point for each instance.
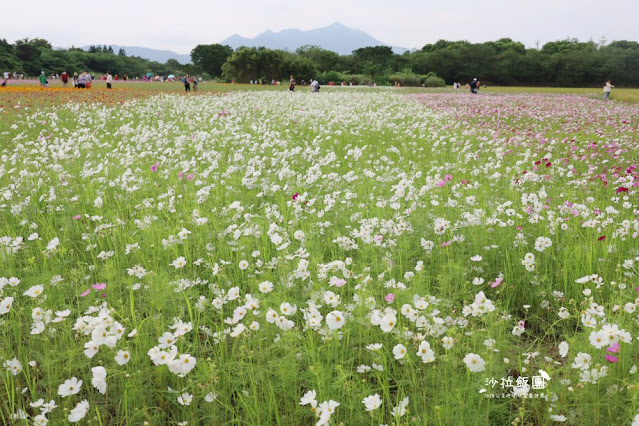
(369, 165)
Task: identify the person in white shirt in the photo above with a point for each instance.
(109, 79)
(607, 89)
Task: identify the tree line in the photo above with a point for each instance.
(31, 56)
(564, 63)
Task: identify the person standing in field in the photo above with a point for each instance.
(291, 85)
(187, 84)
(82, 81)
(75, 79)
(473, 86)
(43, 79)
(194, 79)
(607, 89)
(65, 78)
(109, 79)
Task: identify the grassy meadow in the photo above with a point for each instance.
(353, 257)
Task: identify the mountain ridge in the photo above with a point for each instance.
(336, 37)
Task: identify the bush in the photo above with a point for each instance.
(432, 80)
(357, 79)
(327, 76)
(381, 80)
(411, 80)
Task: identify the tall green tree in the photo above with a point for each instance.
(322, 59)
(376, 60)
(210, 57)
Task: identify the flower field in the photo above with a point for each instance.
(349, 257)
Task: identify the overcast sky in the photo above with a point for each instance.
(181, 25)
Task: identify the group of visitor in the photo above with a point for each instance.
(188, 81)
(84, 80)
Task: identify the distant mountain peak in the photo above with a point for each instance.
(335, 37)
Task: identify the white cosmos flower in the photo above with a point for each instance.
(563, 349)
(265, 287)
(374, 346)
(335, 320)
(388, 322)
(447, 342)
(582, 361)
(40, 420)
(53, 244)
(178, 263)
(185, 399)
(69, 387)
(309, 398)
(400, 409)
(13, 366)
(475, 363)
(272, 316)
(99, 379)
(183, 365)
(372, 402)
(5, 305)
(399, 351)
(122, 357)
(34, 291)
(81, 409)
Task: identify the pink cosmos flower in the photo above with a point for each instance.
(446, 243)
(86, 293)
(190, 176)
(603, 237)
(614, 348)
(498, 281)
(611, 358)
(77, 217)
(99, 286)
(389, 297)
(441, 183)
(340, 282)
(448, 178)
(180, 174)
(297, 194)
(154, 168)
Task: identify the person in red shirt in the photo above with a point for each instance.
(64, 77)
